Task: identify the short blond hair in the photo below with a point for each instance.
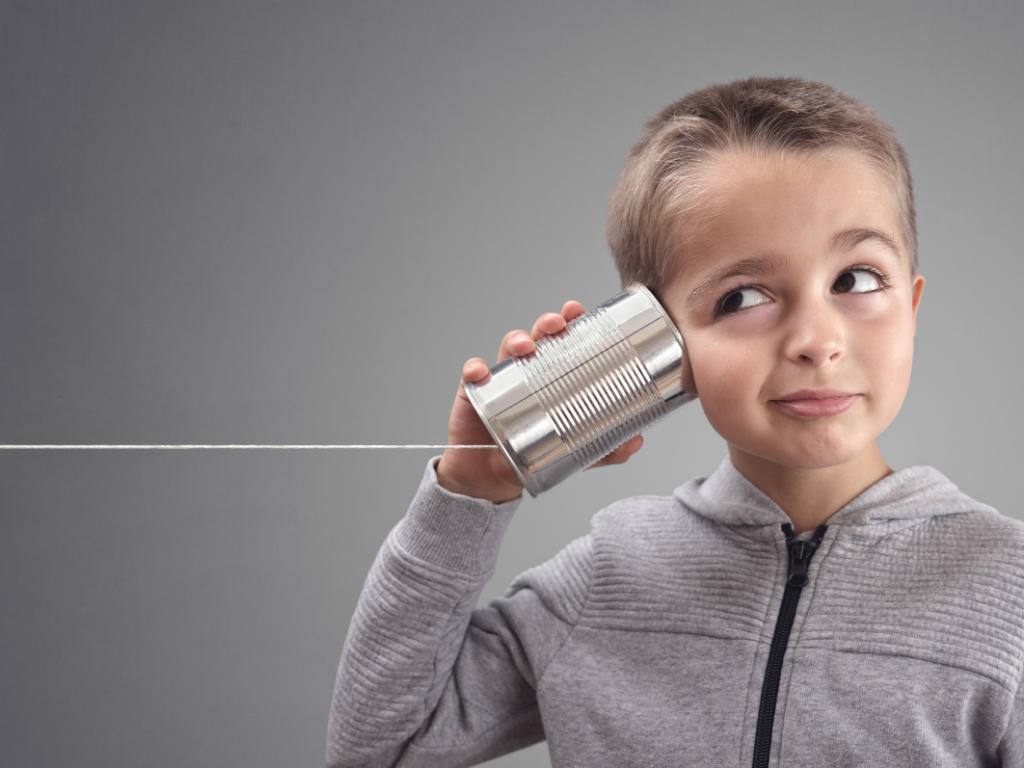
(660, 183)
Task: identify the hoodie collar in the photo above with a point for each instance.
(728, 497)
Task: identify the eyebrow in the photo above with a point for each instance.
(753, 267)
(851, 238)
(763, 265)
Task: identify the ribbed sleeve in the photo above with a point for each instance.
(426, 680)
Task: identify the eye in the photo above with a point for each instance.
(858, 281)
(744, 298)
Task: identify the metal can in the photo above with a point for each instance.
(609, 375)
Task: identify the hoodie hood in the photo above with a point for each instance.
(727, 497)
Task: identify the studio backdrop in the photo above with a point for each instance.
(292, 222)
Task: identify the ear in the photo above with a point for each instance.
(916, 289)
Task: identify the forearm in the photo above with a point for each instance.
(410, 622)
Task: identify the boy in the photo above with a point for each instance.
(802, 606)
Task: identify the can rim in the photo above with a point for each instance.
(658, 305)
(499, 439)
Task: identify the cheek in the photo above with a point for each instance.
(886, 349)
(727, 373)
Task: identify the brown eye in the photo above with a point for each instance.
(857, 281)
(733, 302)
(742, 299)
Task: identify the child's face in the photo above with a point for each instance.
(797, 314)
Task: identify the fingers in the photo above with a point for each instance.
(621, 454)
(474, 371)
(518, 343)
(521, 343)
(547, 324)
(572, 310)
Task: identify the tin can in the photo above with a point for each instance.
(611, 374)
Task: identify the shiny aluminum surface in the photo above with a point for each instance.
(612, 373)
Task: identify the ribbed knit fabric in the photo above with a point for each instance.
(645, 643)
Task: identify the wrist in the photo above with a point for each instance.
(496, 493)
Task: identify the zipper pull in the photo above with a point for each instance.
(800, 553)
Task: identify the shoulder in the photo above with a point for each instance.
(929, 517)
(963, 559)
(644, 521)
(625, 536)
(563, 582)
(641, 515)
(989, 522)
(648, 539)
(955, 522)
(946, 587)
(982, 539)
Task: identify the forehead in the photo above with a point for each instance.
(783, 206)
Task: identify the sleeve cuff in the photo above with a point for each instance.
(453, 531)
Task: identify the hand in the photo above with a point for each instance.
(485, 474)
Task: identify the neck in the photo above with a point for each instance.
(810, 496)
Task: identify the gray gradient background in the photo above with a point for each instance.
(292, 222)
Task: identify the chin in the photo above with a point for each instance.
(809, 454)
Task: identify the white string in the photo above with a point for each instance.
(231, 447)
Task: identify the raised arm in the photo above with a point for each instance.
(424, 679)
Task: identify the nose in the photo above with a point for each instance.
(815, 334)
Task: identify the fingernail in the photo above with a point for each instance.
(523, 337)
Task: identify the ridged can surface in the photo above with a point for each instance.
(611, 374)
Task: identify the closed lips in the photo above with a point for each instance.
(816, 403)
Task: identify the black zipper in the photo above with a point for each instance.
(800, 554)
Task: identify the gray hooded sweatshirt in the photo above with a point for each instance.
(677, 633)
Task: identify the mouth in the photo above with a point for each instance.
(816, 403)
